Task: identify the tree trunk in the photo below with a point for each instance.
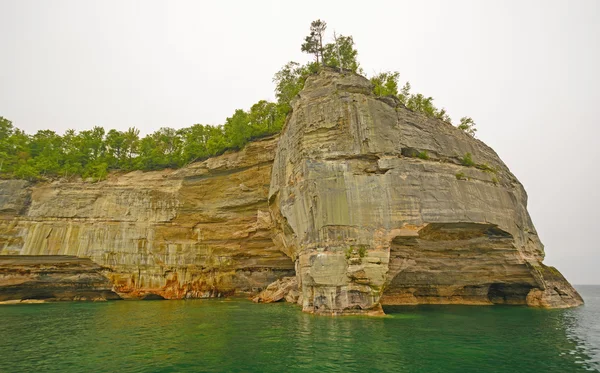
(321, 50)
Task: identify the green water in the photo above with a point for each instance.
(239, 336)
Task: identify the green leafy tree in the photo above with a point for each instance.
(92, 153)
(27, 171)
(385, 83)
(468, 125)
(161, 149)
(170, 145)
(404, 94)
(6, 153)
(150, 157)
(96, 171)
(418, 102)
(114, 148)
(313, 43)
(194, 142)
(74, 158)
(6, 129)
(3, 159)
(131, 144)
(265, 118)
(290, 80)
(341, 54)
(46, 149)
(216, 143)
(237, 129)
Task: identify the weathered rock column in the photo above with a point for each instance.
(377, 205)
(326, 209)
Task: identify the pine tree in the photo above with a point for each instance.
(313, 43)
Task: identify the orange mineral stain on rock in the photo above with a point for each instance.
(340, 213)
(187, 233)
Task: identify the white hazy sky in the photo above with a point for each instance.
(526, 71)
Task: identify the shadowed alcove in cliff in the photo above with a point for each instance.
(456, 263)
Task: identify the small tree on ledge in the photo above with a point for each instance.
(468, 125)
(313, 43)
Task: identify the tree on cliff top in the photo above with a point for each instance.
(289, 81)
(385, 83)
(313, 43)
(91, 154)
(468, 125)
(341, 54)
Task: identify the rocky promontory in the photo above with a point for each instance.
(42, 278)
(380, 205)
(361, 201)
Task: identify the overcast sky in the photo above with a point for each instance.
(526, 71)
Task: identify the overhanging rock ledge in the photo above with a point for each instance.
(373, 204)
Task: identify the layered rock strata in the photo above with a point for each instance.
(378, 205)
(45, 278)
(200, 231)
(285, 288)
(362, 201)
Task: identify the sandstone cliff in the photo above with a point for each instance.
(26, 278)
(363, 201)
(200, 231)
(375, 205)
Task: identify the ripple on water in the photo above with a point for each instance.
(239, 336)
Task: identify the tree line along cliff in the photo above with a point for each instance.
(92, 154)
(363, 192)
(359, 198)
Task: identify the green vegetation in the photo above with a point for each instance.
(468, 125)
(467, 160)
(313, 43)
(460, 176)
(423, 155)
(92, 154)
(484, 167)
(360, 250)
(386, 84)
(340, 54)
(289, 81)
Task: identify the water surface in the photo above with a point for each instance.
(239, 336)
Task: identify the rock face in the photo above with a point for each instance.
(365, 202)
(379, 205)
(282, 289)
(52, 278)
(200, 231)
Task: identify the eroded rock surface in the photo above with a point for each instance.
(52, 278)
(200, 231)
(285, 288)
(365, 202)
(375, 206)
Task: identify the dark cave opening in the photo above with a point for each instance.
(501, 293)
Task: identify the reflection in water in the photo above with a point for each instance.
(239, 336)
(582, 326)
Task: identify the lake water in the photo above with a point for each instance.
(239, 336)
